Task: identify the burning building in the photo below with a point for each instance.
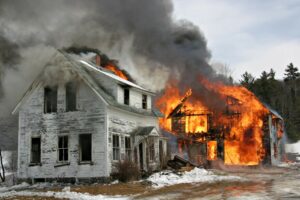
(240, 130)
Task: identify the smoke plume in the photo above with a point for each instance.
(142, 34)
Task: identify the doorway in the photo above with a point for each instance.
(141, 154)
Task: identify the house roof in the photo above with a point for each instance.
(112, 75)
(143, 131)
(86, 71)
(274, 112)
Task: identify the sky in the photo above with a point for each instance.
(247, 35)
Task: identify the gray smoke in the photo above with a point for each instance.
(141, 33)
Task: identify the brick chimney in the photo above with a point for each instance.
(98, 60)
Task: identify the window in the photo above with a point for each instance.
(35, 150)
(128, 147)
(152, 151)
(63, 154)
(126, 96)
(116, 147)
(71, 89)
(50, 99)
(144, 101)
(85, 142)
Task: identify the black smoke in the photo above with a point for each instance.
(143, 33)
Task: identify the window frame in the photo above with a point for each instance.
(63, 149)
(80, 148)
(73, 88)
(32, 152)
(128, 149)
(126, 99)
(151, 149)
(116, 149)
(145, 101)
(50, 100)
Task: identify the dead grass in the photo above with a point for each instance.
(115, 189)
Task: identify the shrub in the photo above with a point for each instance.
(127, 170)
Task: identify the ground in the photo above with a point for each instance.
(259, 183)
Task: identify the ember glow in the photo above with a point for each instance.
(241, 122)
(116, 71)
(212, 150)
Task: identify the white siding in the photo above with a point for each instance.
(90, 118)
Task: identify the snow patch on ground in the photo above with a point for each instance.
(197, 175)
(66, 193)
(61, 195)
(293, 148)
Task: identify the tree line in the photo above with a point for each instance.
(281, 95)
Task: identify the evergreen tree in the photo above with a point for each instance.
(291, 73)
(247, 80)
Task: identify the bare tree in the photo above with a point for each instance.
(2, 171)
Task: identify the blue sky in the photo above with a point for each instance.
(247, 35)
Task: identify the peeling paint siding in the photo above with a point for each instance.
(123, 123)
(135, 98)
(89, 119)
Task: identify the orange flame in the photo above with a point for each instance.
(116, 71)
(212, 150)
(243, 144)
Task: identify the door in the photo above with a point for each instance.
(141, 153)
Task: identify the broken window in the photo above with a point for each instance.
(116, 147)
(35, 150)
(63, 154)
(50, 99)
(71, 89)
(128, 147)
(144, 101)
(85, 142)
(126, 96)
(151, 151)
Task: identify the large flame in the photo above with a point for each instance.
(243, 143)
(116, 71)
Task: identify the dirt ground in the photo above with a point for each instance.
(258, 184)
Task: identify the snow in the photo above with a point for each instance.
(197, 175)
(64, 194)
(293, 148)
(61, 195)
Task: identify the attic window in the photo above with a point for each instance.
(71, 89)
(126, 96)
(144, 101)
(50, 99)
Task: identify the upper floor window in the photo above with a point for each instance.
(50, 99)
(71, 89)
(144, 101)
(126, 96)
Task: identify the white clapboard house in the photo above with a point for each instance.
(78, 120)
